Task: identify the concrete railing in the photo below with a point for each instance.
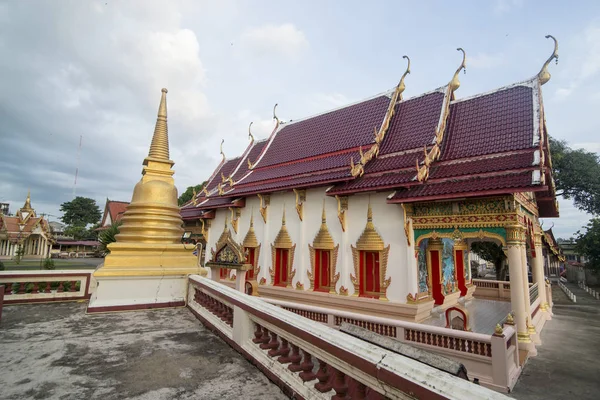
(533, 293)
(45, 286)
(283, 343)
(569, 294)
(595, 294)
(492, 290)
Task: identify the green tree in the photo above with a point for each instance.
(492, 252)
(78, 214)
(577, 175)
(81, 211)
(107, 236)
(588, 244)
(189, 193)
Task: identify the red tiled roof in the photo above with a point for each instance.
(379, 182)
(414, 123)
(493, 123)
(311, 180)
(117, 209)
(472, 186)
(393, 163)
(226, 169)
(345, 128)
(327, 162)
(473, 166)
(253, 154)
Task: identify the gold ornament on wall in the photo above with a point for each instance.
(235, 218)
(265, 201)
(300, 199)
(342, 207)
(370, 240)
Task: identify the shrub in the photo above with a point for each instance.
(2, 267)
(49, 263)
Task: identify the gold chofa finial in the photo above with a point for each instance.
(401, 85)
(455, 83)
(159, 148)
(250, 135)
(544, 75)
(221, 150)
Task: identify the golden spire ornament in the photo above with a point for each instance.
(544, 75)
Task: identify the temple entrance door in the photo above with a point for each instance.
(436, 276)
(369, 279)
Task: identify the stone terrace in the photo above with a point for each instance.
(57, 351)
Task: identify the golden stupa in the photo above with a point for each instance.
(150, 238)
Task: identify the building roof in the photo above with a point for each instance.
(491, 143)
(114, 209)
(21, 226)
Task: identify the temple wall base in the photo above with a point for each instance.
(137, 292)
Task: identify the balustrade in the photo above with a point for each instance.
(314, 362)
(46, 286)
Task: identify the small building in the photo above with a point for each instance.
(113, 212)
(75, 248)
(26, 232)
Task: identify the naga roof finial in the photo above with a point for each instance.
(401, 85)
(275, 115)
(222, 154)
(455, 83)
(544, 75)
(250, 135)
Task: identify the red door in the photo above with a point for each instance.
(250, 260)
(223, 273)
(281, 263)
(436, 278)
(459, 260)
(369, 280)
(322, 270)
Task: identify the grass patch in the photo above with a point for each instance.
(30, 265)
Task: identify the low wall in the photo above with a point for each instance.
(286, 346)
(491, 290)
(45, 286)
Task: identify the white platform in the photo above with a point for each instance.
(137, 292)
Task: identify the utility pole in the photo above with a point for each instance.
(77, 165)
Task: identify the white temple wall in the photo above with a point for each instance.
(387, 218)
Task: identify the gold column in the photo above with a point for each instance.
(538, 271)
(516, 245)
(149, 242)
(524, 271)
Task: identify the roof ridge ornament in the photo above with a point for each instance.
(435, 151)
(358, 169)
(250, 135)
(544, 75)
(221, 150)
(455, 83)
(275, 117)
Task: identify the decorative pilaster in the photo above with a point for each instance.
(515, 236)
(538, 271)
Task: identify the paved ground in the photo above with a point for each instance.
(484, 315)
(55, 351)
(568, 363)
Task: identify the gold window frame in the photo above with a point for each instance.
(370, 240)
(283, 241)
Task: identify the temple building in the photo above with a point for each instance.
(372, 207)
(26, 232)
(113, 212)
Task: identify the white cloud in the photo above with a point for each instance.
(276, 40)
(485, 60)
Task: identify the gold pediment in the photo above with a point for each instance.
(370, 240)
(283, 239)
(250, 240)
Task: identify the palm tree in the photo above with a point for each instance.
(107, 236)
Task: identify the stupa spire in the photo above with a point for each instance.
(27, 205)
(159, 148)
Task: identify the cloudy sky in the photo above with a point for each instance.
(95, 69)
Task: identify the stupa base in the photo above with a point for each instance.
(127, 293)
